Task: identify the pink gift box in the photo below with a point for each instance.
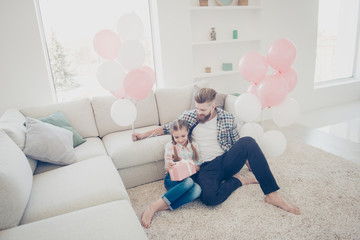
(182, 170)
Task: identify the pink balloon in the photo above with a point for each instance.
(107, 44)
(252, 89)
(150, 72)
(253, 67)
(119, 93)
(273, 90)
(290, 77)
(137, 84)
(281, 55)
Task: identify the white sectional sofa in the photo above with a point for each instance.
(86, 199)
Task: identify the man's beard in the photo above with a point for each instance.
(204, 118)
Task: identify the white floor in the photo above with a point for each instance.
(333, 129)
(342, 120)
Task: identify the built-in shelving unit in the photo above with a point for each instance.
(224, 49)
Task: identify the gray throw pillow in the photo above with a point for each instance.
(219, 100)
(58, 119)
(48, 143)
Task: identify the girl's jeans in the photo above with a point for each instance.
(180, 192)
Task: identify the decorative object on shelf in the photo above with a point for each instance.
(243, 2)
(208, 69)
(224, 2)
(213, 34)
(203, 2)
(227, 67)
(235, 34)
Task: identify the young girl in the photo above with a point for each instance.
(179, 192)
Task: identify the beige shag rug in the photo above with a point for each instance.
(325, 187)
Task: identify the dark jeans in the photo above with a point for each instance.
(215, 177)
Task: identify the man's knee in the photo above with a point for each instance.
(247, 142)
(209, 198)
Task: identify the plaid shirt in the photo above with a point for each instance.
(227, 133)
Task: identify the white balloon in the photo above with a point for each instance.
(286, 112)
(110, 75)
(131, 55)
(130, 27)
(273, 143)
(247, 107)
(253, 130)
(123, 112)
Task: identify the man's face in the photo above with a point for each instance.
(204, 111)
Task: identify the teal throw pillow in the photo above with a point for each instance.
(58, 119)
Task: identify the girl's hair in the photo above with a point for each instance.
(176, 126)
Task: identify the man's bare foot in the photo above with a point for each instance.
(275, 199)
(245, 181)
(146, 216)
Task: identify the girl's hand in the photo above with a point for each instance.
(168, 164)
(197, 168)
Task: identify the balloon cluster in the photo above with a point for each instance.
(122, 72)
(268, 91)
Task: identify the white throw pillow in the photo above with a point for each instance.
(48, 143)
(16, 182)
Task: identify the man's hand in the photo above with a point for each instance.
(138, 136)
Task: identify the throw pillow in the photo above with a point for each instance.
(16, 181)
(58, 119)
(48, 143)
(219, 100)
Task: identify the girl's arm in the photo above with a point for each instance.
(169, 156)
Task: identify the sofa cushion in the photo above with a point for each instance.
(16, 181)
(126, 153)
(58, 119)
(110, 221)
(48, 143)
(12, 122)
(172, 102)
(74, 187)
(147, 114)
(93, 147)
(79, 113)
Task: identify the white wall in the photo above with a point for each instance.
(297, 21)
(24, 79)
(175, 37)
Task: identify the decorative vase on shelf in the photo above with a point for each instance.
(203, 2)
(243, 2)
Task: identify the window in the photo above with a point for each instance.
(69, 27)
(337, 40)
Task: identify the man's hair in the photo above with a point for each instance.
(205, 95)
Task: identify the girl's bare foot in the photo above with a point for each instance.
(275, 199)
(245, 181)
(150, 210)
(146, 216)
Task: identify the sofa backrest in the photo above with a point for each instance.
(172, 102)
(79, 113)
(147, 114)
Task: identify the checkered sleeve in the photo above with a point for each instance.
(188, 116)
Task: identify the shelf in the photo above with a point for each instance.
(207, 8)
(215, 74)
(224, 41)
